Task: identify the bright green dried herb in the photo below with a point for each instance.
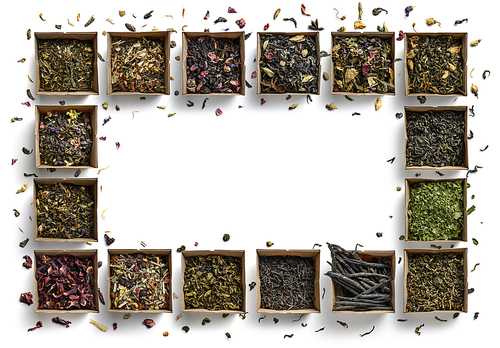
(435, 210)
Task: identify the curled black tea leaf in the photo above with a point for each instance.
(291, 20)
(368, 332)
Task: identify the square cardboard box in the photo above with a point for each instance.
(310, 254)
(81, 254)
(262, 59)
(164, 254)
(463, 50)
(237, 35)
(386, 36)
(41, 110)
(424, 109)
(156, 35)
(239, 254)
(90, 36)
(90, 182)
(369, 256)
(462, 251)
(411, 181)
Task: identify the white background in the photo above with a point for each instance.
(259, 173)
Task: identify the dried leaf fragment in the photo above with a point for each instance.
(474, 90)
(298, 38)
(23, 188)
(276, 13)
(41, 17)
(378, 104)
(331, 106)
(293, 106)
(475, 42)
(98, 325)
(359, 25)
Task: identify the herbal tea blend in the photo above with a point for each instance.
(288, 64)
(213, 282)
(435, 282)
(435, 65)
(139, 282)
(213, 65)
(66, 65)
(436, 210)
(435, 138)
(138, 65)
(362, 64)
(65, 138)
(64, 211)
(362, 285)
(65, 282)
(286, 282)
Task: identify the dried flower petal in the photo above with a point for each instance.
(38, 323)
(26, 297)
(241, 23)
(218, 112)
(149, 323)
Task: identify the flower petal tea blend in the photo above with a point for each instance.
(66, 281)
(363, 63)
(214, 63)
(288, 63)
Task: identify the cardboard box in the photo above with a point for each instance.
(90, 36)
(165, 254)
(390, 36)
(92, 182)
(411, 181)
(41, 110)
(462, 251)
(369, 256)
(240, 35)
(233, 253)
(79, 254)
(423, 109)
(162, 35)
(314, 35)
(461, 36)
(312, 254)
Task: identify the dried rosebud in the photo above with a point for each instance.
(401, 35)
(231, 10)
(241, 23)
(149, 323)
(218, 112)
(207, 16)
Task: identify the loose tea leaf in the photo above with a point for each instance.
(213, 282)
(435, 138)
(362, 65)
(435, 282)
(286, 282)
(66, 65)
(426, 55)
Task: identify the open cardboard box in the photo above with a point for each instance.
(240, 254)
(90, 36)
(389, 36)
(369, 256)
(462, 251)
(313, 254)
(79, 254)
(41, 110)
(461, 36)
(411, 181)
(164, 254)
(92, 182)
(260, 57)
(239, 35)
(162, 35)
(424, 109)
